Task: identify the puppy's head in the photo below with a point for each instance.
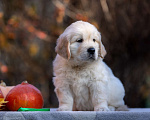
(80, 41)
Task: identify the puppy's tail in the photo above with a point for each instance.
(122, 108)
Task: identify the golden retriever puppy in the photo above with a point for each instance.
(82, 80)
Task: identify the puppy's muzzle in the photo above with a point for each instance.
(91, 51)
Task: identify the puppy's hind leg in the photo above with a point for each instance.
(122, 108)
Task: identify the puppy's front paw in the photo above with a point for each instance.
(101, 109)
(111, 108)
(64, 108)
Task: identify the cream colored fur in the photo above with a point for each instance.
(81, 82)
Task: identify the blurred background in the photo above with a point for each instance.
(29, 30)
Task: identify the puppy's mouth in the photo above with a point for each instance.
(87, 57)
(91, 57)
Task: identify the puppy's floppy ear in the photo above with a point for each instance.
(63, 47)
(102, 50)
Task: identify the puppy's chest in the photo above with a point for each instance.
(81, 77)
(80, 81)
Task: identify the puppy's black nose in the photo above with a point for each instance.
(91, 50)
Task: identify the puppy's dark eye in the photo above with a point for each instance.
(94, 40)
(80, 40)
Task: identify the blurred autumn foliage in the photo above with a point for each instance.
(29, 30)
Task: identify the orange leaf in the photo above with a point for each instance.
(41, 35)
(4, 69)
